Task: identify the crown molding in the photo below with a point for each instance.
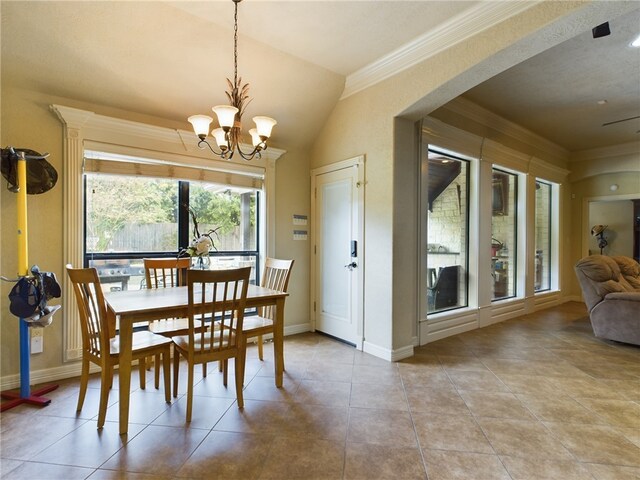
(71, 117)
(476, 113)
(623, 158)
(622, 150)
(472, 146)
(547, 171)
(456, 30)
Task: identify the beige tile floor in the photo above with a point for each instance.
(533, 398)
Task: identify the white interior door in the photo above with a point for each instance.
(338, 252)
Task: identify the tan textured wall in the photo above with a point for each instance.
(293, 196)
(618, 216)
(593, 187)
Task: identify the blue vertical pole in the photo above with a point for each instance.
(25, 347)
(23, 269)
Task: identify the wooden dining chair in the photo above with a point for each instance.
(169, 273)
(103, 349)
(219, 294)
(276, 277)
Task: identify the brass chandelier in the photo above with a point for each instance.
(229, 117)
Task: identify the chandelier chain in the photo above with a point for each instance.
(235, 45)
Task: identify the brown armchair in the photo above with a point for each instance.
(611, 291)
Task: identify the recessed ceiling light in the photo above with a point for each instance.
(602, 102)
(636, 42)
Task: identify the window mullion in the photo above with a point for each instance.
(184, 236)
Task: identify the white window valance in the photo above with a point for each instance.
(112, 164)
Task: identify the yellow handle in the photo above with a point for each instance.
(23, 243)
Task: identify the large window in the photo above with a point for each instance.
(542, 280)
(504, 227)
(447, 232)
(128, 218)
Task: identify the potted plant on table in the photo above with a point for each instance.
(201, 244)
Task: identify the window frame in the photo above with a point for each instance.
(550, 209)
(456, 156)
(183, 237)
(514, 248)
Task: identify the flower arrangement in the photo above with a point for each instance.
(202, 243)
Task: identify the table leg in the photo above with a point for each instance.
(126, 334)
(278, 341)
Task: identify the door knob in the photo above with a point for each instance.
(351, 265)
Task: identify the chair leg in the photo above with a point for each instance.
(104, 395)
(84, 382)
(225, 369)
(240, 359)
(157, 370)
(204, 369)
(176, 371)
(142, 367)
(110, 375)
(166, 371)
(190, 392)
(260, 348)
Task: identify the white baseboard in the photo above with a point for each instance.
(402, 353)
(376, 351)
(46, 375)
(387, 354)
(298, 328)
(502, 311)
(448, 332)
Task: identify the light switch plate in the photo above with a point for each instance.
(37, 339)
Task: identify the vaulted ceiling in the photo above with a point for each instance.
(170, 59)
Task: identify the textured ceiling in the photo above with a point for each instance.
(556, 93)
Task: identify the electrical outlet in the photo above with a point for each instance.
(37, 339)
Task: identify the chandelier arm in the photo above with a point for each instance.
(203, 142)
(255, 153)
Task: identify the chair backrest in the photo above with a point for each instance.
(218, 295)
(166, 272)
(446, 287)
(92, 308)
(276, 277)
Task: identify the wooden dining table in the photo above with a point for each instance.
(132, 306)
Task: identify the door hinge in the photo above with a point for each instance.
(315, 249)
(314, 306)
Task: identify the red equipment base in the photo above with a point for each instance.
(34, 399)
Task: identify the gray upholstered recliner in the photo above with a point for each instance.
(611, 290)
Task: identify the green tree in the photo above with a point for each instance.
(115, 201)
